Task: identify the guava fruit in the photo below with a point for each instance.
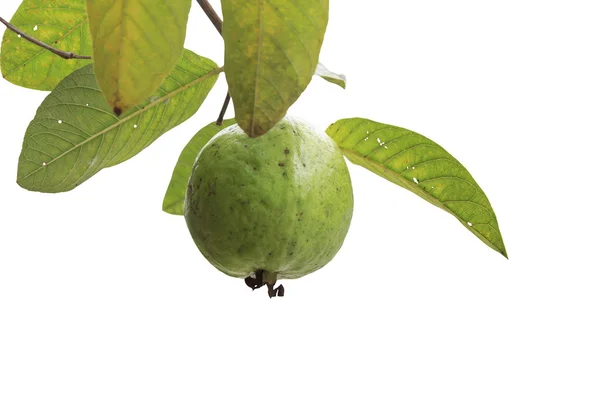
(274, 207)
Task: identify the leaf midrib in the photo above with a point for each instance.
(409, 185)
(120, 54)
(258, 56)
(122, 121)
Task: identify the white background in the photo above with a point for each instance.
(104, 296)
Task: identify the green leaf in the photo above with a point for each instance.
(337, 79)
(175, 196)
(61, 24)
(418, 164)
(271, 53)
(74, 133)
(136, 45)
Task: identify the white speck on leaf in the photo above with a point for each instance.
(44, 164)
(19, 35)
(415, 180)
(135, 126)
(35, 28)
(470, 223)
(60, 121)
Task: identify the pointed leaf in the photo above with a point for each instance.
(271, 52)
(175, 196)
(136, 44)
(337, 79)
(61, 24)
(418, 164)
(74, 133)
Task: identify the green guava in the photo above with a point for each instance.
(274, 207)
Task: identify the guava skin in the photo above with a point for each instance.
(280, 203)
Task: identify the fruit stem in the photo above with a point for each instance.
(218, 23)
(212, 15)
(223, 110)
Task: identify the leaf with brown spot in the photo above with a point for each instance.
(136, 45)
(74, 134)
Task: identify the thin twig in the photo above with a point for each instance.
(67, 55)
(223, 110)
(212, 15)
(218, 23)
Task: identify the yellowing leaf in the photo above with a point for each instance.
(422, 166)
(272, 49)
(136, 44)
(74, 134)
(59, 23)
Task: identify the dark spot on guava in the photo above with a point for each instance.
(281, 164)
(287, 151)
(212, 187)
(118, 111)
(304, 165)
